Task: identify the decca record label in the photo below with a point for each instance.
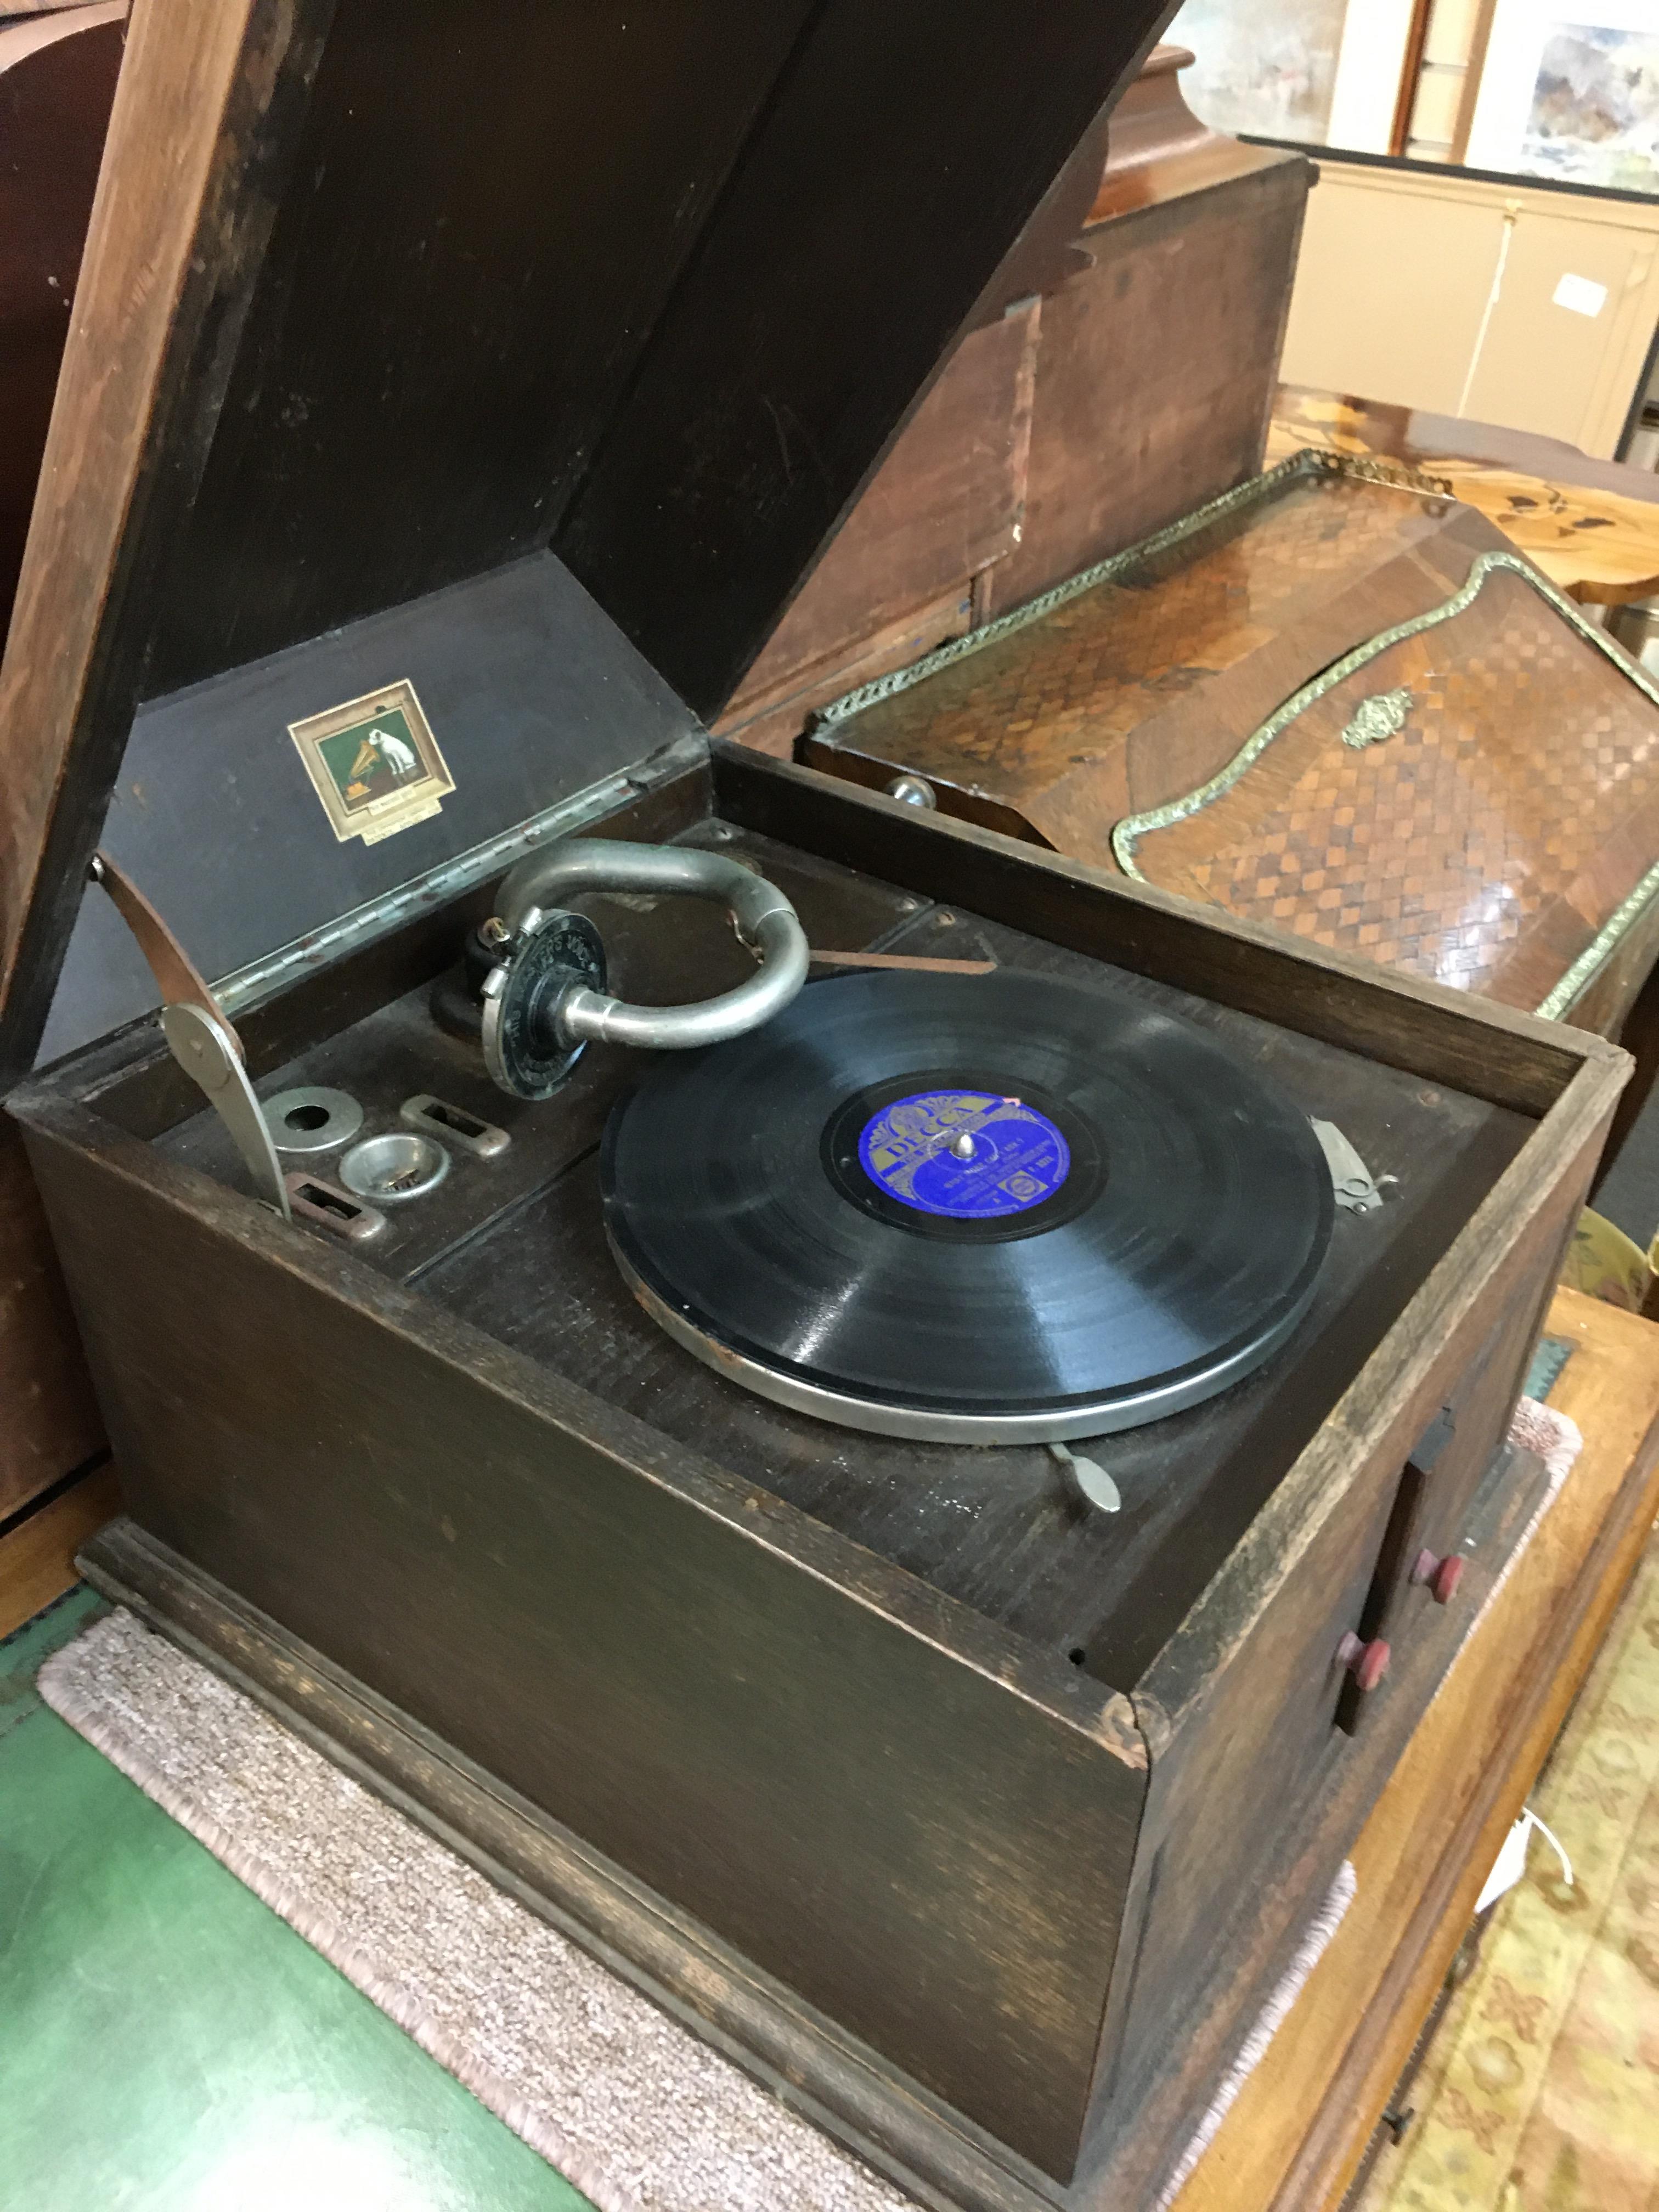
(971, 1155)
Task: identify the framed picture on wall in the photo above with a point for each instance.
(1572, 92)
(1262, 65)
(1318, 72)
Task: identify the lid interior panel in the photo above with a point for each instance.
(531, 695)
(653, 288)
(487, 207)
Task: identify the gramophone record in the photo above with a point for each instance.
(993, 1209)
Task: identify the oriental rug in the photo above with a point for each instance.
(1540, 2091)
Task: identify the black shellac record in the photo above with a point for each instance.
(1001, 1207)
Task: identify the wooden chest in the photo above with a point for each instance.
(976, 1823)
(1119, 373)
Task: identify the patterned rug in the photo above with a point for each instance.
(1540, 2092)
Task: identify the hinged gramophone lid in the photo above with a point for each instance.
(456, 397)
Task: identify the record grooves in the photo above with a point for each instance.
(999, 1209)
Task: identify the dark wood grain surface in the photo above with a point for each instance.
(1299, 2133)
(1472, 1336)
(1245, 1941)
(1158, 363)
(51, 1423)
(808, 2063)
(905, 154)
(515, 1245)
(699, 407)
(642, 1679)
(56, 81)
(892, 1797)
(350, 244)
(197, 134)
(464, 178)
(947, 502)
(1281, 1737)
(1147, 352)
(999, 1529)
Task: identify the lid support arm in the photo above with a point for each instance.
(198, 1035)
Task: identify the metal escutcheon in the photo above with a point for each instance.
(312, 1118)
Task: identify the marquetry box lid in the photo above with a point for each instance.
(1334, 701)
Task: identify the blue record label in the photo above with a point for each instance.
(973, 1155)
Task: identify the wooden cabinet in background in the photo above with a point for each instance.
(58, 74)
(1510, 300)
(1120, 373)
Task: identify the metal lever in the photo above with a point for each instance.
(198, 1035)
(546, 999)
(209, 1052)
(1357, 1192)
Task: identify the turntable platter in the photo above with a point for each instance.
(999, 1209)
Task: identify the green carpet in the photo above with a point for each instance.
(168, 2045)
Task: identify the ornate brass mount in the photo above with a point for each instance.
(1384, 715)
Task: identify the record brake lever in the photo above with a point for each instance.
(544, 998)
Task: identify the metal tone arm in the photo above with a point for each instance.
(544, 999)
(765, 919)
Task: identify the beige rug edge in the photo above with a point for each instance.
(841, 2185)
(68, 1700)
(633, 2109)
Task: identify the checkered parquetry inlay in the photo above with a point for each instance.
(1495, 814)
(1045, 698)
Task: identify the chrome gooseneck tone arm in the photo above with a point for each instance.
(546, 999)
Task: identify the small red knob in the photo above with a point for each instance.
(1367, 1663)
(1372, 1664)
(1443, 1576)
(1448, 1575)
